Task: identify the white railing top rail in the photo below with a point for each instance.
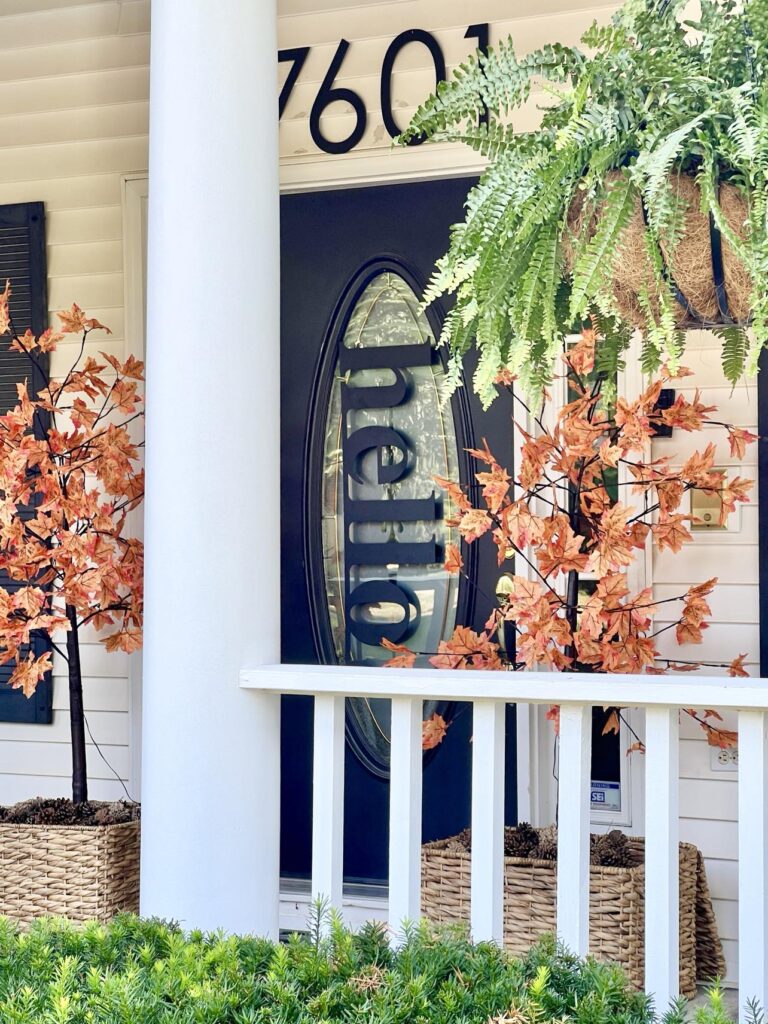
(681, 691)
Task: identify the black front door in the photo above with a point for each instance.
(365, 432)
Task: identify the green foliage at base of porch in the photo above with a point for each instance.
(149, 972)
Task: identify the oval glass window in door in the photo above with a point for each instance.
(388, 435)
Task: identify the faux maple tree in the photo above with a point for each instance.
(565, 518)
(69, 476)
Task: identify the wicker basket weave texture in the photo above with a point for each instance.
(616, 906)
(82, 873)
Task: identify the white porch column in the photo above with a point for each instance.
(210, 760)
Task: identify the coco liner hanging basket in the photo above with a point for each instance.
(616, 905)
(625, 186)
(710, 284)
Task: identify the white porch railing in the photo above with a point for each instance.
(662, 698)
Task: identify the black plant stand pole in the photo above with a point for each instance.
(76, 711)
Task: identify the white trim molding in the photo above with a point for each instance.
(135, 194)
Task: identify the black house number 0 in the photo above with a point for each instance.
(329, 93)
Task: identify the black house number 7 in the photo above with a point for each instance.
(329, 93)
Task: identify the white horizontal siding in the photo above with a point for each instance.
(708, 799)
(74, 89)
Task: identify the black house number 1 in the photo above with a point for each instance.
(329, 93)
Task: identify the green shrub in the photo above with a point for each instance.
(148, 972)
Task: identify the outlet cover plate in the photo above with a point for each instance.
(724, 760)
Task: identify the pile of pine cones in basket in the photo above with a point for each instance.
(610, 850)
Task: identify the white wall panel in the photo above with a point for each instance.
(708, 799)
(74, 87)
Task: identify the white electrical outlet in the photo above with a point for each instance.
(724, 760)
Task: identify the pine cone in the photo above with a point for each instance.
(521, 841)
(116, 813)
(84, 813)
(58, 811)
(464, 839)
(38, 811)
(612, 850)
(20, 813)
(547, 848)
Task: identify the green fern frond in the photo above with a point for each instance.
(594, 265)
(645, 96)
(734, 354)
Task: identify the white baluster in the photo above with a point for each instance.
(405, 812)
(328, 800)
(662, 857)
(488, 729)
(574, 770)
(753, 858)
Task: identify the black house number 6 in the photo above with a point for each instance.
(329, 93)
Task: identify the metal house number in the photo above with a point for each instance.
(329, 93)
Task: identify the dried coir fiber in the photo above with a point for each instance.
(688, 257)
(738, 284)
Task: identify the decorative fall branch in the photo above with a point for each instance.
(69, 476)
(588, 530)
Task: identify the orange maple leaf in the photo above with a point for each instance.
(128, 640)
(505, 377)
(560, 549)
(467, 650)
(671, 532)
(433, 732)
(689, 632)
(5, 318)
(404, 657)
(736, 669)
(612, 724)
(453, 560)
(590, 620)
(28, 673)
(522, 526)
(495, 486)
(74, 321)
(612, 588)
(724, 739)
(738, 439)
(534, 455)
(687, 415)
(553, 715)
(734, 490)
(483, 454)
(581, 356)
(474, 523)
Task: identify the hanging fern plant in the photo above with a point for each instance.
(640, 202)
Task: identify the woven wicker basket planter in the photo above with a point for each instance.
(83, 873)
(616, 907)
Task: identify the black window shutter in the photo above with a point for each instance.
(22, 262)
